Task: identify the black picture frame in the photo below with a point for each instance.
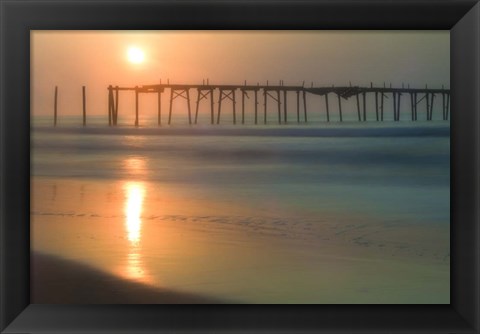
(18, 17)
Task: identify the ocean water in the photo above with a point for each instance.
(258, 213)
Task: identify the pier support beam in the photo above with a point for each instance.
(136, 106)
(170, 107)
(447, 107)
(415, 103)
(432, 98)
(274, 92)
(327, 107)
(364, 106)
(427, 98)
(264, 107)
(305, 105)
(226, 94)
(243, 106)
(399, 96)
(443, 106)
(279, 108)
(234, 102)
(188, 106)
(212, 112)
(358, 107)
(394, 106)
(256, 106)
(276, 98)
(340, 107)
(110, 105)
(204, 93)
(115, 118)
(183, 92)
(298, 106)
(382, 99)
(159, 107)
(412, 106)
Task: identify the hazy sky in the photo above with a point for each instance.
(71, 59)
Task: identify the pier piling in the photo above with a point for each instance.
(298, 106)
(358, 107)
(233, 107)
(432, 98)
(159, 107)
(279, 107)
(226, 93)
(443, 106)
(203, 93)
(381, 106)
(243, 106)
(412, 107)
(275, 93)
(219, 106)
(212, 112)
(427, 98)
(394, 106)
(447, 105)
(340, 107)
(256, 107)
(136, 106)
(170, 107)
(327, 108)
(110, 105)
(364, 106)
(305, 105)
(188, 106)
(115, 119)
(399, 97)
(265, 106)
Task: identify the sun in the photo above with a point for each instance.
(135, 55)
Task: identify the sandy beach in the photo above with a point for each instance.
(247, 258)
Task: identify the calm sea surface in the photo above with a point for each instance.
(251, 213)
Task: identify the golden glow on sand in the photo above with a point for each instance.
(135, 55)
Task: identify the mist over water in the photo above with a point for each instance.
(378, 165)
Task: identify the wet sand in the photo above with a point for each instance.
(213, 253)
(59, 281)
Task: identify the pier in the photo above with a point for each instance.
(226, 101)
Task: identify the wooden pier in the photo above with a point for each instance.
(278, 94)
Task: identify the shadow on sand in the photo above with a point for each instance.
(59, 281)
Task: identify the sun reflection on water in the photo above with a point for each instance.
(135, 192)
(134, 197)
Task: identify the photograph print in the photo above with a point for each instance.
(240, 167)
